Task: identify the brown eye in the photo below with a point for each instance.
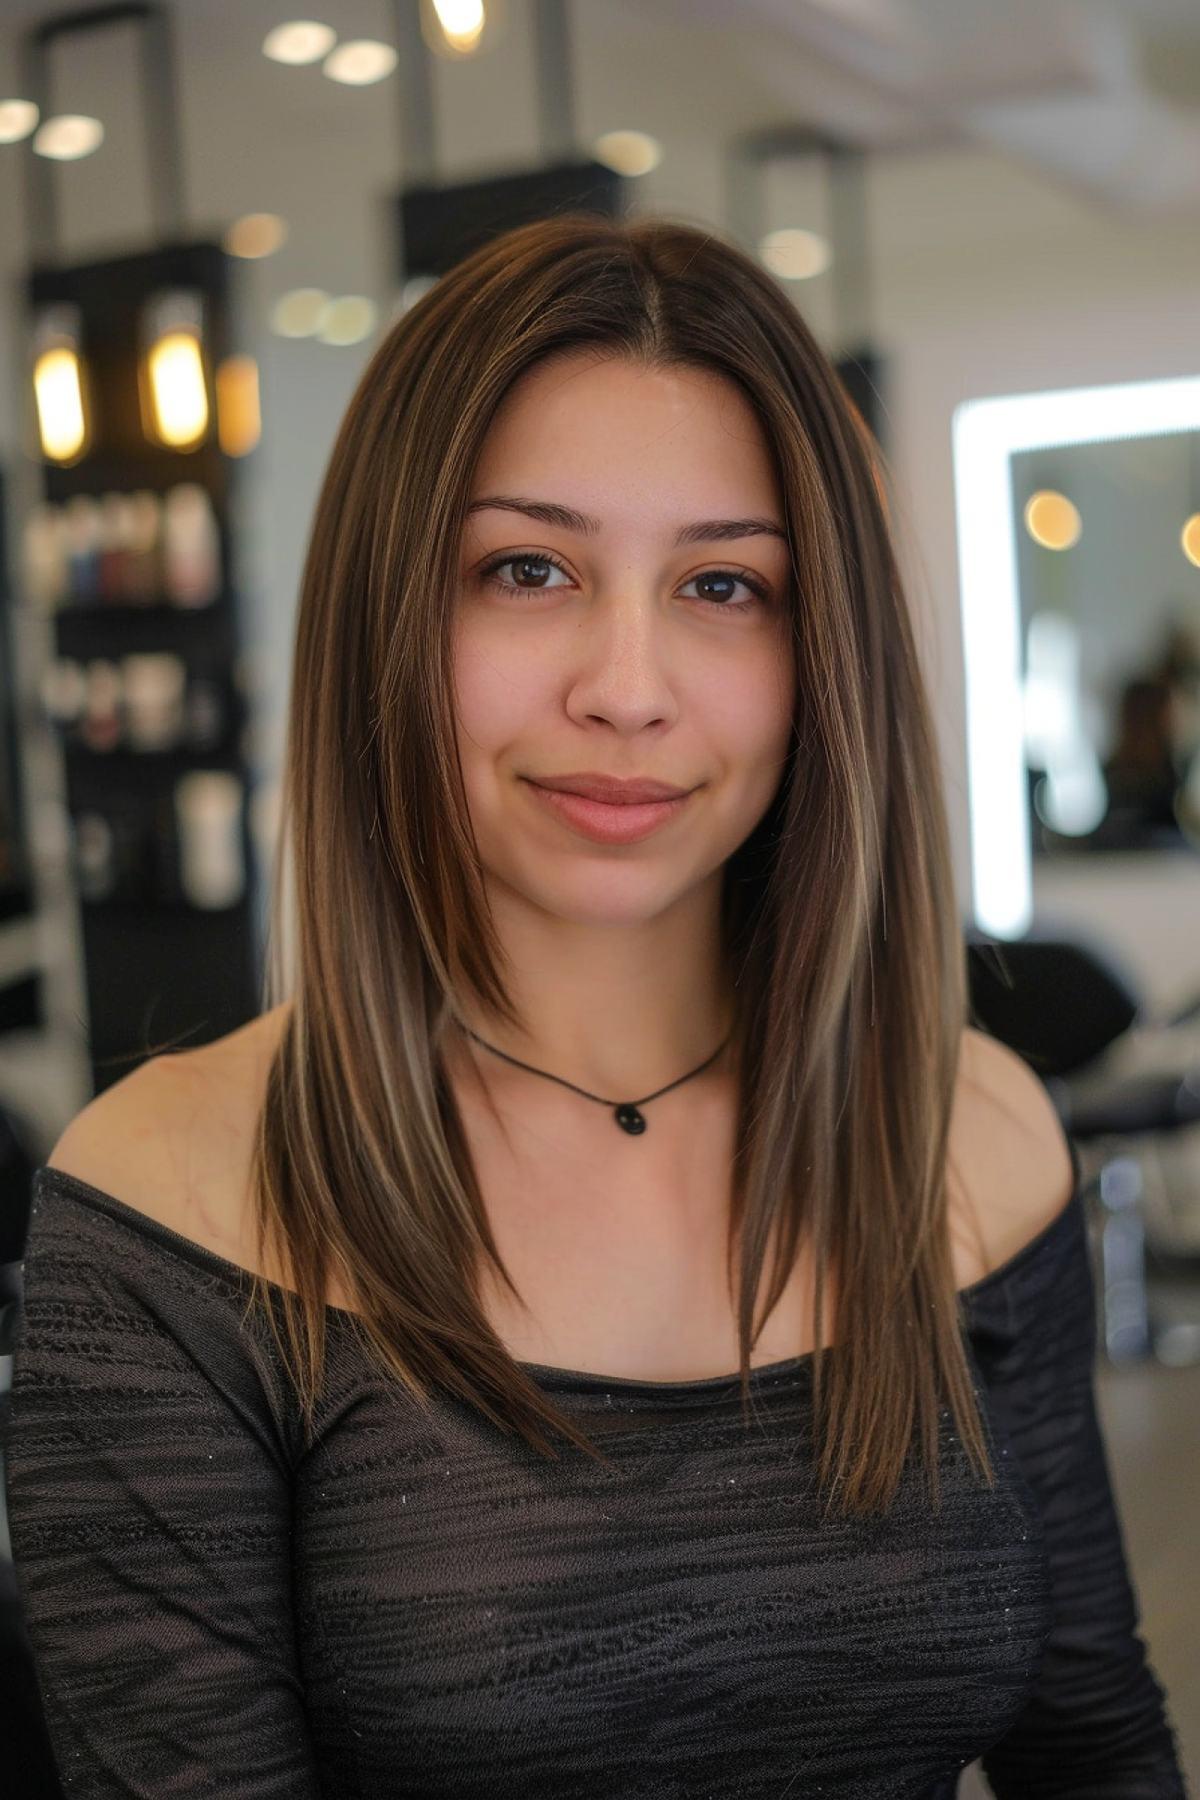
(522, 562)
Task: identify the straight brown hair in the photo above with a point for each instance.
(838, 914)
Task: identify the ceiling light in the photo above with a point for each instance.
(17, 120)
(360, 62)
(300, 41)
(795, 254)
(298, 313)
(256, 234)
(1189, 538)
(347, 320)
(628, 152)
(68, 136)
(461, 22)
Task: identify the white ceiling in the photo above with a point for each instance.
(1102, 96)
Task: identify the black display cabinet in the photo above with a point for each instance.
(161, 970)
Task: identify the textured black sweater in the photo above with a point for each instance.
(425, 1607)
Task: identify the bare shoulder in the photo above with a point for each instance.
(1010, 1172)
(174, 1138)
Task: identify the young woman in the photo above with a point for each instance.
(611, 1327)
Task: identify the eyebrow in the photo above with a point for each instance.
(567, 519)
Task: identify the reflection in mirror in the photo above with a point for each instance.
(1109, 601)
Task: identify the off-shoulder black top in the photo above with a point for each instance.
(425, 1607)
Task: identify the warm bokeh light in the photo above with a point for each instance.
(17, 120)
(239, 414)
(58, 389)
(347, 320)
(795, 254)
(1189, 538)
(628, 152)
(297, 314)
(299, 41)
(256, 234)
(360, 62)
(177, 388)
(1052, 520)
(461, 22)
(68, 136)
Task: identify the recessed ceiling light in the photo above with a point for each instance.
(68, 136)
(256, 234)
(628, 152)
(299, 41)
(347, 320)
(17, 120)
(298, 314)
(360, 62)
(795, 254)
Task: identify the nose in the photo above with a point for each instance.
(621, 667)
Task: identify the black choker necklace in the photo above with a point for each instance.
(626, 1112)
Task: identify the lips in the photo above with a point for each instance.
(603, 821)
(610, 789)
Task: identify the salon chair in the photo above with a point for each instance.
(1125, 1082)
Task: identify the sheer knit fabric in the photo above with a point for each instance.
(424, 1607)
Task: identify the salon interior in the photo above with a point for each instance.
(988, 212)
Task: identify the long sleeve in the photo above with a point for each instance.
(149, 1506)
(1095, 1726)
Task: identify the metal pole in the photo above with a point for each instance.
(553, 77)
(417, 147)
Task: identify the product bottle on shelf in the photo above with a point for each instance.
(101, 727)
(154, 685)
(192, 546)
(63, 690)
(83, 550)
(110, 579)
(144, 571)
(208, 811)
(44, 555)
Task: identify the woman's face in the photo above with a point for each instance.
(641, 643)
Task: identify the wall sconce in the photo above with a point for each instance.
(60, 387)
(173, 390)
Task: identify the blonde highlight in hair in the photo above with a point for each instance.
(839, 914)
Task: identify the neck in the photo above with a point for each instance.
(616, 1011)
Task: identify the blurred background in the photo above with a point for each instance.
(989, 213)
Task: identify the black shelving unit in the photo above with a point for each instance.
(159, 970)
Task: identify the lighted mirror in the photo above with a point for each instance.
(1079, 564)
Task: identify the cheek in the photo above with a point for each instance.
(495, 689)
(748, 711)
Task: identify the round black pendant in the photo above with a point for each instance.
(630, 1119)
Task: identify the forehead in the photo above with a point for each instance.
(612, 437)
